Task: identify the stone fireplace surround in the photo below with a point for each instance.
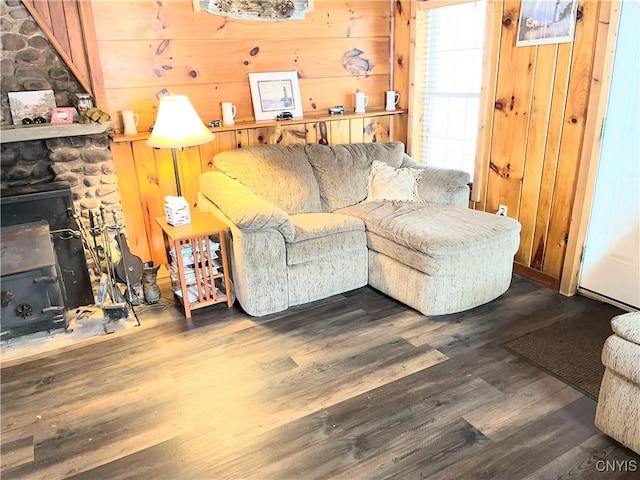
(84, 162)
(28, 61)
(80, 156)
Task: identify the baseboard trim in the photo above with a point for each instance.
(537, 277)
(603, 298)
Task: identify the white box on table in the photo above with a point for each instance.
(176, 211)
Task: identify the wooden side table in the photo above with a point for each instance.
(199, 275)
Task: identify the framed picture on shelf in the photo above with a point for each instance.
(63, 115)
(26, 107)
(546, 21)
(275, 92)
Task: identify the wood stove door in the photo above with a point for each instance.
(31, 297)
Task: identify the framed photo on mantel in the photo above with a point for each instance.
(275, 92)
(28, 106)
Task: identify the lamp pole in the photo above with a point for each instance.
(175, 170)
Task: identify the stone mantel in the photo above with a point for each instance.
(24, 133)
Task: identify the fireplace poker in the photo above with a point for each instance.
(85, 241)
(94, 232)
(117, 309)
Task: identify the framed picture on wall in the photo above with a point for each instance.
(546, 21)
(275, 92)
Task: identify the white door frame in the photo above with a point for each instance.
(609, 16)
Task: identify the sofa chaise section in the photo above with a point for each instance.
(437, 258)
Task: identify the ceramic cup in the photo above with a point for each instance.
(130, 122)
(361, 101)
(393, 98)
(228, 113)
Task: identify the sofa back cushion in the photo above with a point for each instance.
(343, 171)
(280, 174)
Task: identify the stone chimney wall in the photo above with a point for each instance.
(85, 163)
(28, 61)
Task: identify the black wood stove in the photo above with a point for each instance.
(44, 268)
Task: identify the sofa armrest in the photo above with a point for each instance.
(243, 207)
(258, 265)
(441, 185)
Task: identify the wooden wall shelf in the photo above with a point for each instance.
(308, 117)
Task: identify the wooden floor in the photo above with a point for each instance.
(356, 386)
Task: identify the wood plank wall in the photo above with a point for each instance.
(538, 125)
(65, 23)
(146, 46)
(540, 109)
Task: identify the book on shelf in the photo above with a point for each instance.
(186, 249)
(190, 273)
(192, 292)
(188, 259)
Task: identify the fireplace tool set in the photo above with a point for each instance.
(124, 267)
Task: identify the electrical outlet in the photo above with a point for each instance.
(502, 210)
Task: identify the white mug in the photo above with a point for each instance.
(228, 113)
(130, 121)
(361, 101)
(393, 98)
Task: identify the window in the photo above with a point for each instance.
(448, 72)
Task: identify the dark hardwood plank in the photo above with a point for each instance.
(549, 437)
(353, 386)
(17, 452)
(594, 459)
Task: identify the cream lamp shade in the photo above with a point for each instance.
(178, 124)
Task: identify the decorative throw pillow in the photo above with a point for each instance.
(393, 184)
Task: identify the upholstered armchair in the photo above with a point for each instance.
(618, 411)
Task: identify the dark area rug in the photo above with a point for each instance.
(569, 350)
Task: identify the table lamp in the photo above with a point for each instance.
(177, 126)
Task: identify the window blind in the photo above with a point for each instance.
(448, 79)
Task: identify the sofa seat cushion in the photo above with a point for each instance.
(436, 239)
(342, 171)
(447, 264)
(321, 235)
(280, 174)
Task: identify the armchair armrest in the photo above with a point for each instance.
(243, 207)
(441, 185)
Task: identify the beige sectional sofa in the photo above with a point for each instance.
(310, 221)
